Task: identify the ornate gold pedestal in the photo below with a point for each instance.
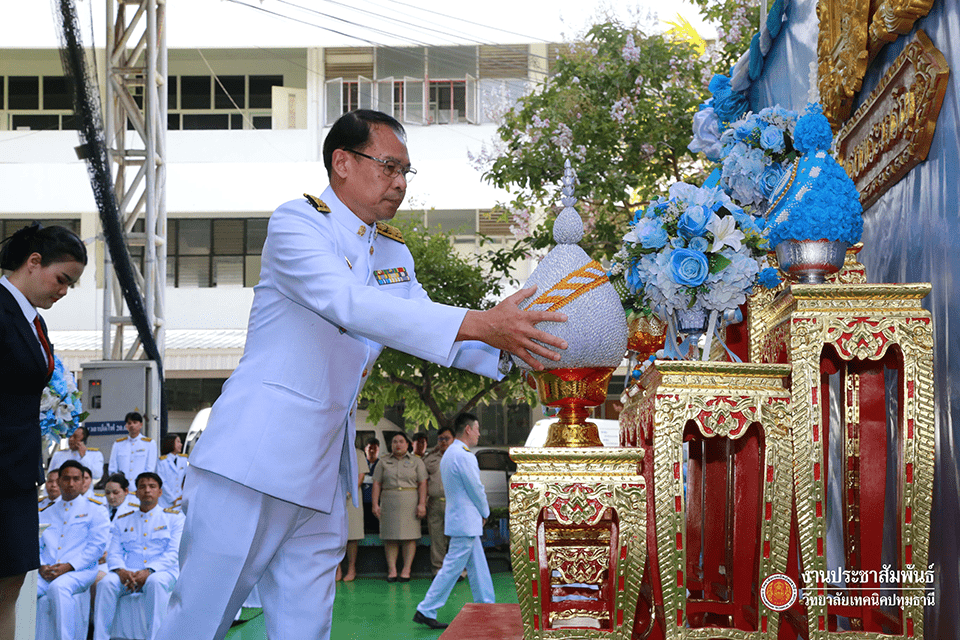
(718, 523)
(877, 342)
(577, 540)
(574, 392)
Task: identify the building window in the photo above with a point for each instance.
(36, 103)
(218, 252)
(224, 102)
(192, 394)
(10, 226)
(448, 101)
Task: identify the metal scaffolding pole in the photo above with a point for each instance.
(135, 120)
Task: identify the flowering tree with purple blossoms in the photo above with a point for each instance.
(737, 21)
(619, 104)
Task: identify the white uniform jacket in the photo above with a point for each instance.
(466, 499)
(133, 456)
(77, 534)
(148, 540)
(171, 468)
(333, 292)
(92, 460)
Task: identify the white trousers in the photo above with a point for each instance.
(463, 552)
(56, 609)
(156, 594)
(235, 537)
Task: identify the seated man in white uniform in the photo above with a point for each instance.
(134, 453)
(143, 557)
(78, 450)
(51, 491)
(69, 550)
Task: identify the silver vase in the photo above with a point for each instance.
(811, 261)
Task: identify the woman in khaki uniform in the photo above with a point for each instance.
(400, 500)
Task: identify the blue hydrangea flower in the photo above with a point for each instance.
(651, 234)
(769, 278)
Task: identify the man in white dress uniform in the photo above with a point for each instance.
(463, 522)
(69, 550)
(77, 450)
(143, 556)
(277, 459)
(134, 453)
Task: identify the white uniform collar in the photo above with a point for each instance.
(343, 215)
(29, 311)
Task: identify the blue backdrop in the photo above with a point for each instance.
(910, 235)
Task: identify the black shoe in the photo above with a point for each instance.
(402, 579)
(391, 578)
(430, 622)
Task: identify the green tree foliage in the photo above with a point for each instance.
(432, 395)
(738, 21)
(619, 105)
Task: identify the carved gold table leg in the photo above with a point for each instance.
(577, 540)
(865, 334)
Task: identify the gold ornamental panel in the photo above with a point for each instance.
(892, 18)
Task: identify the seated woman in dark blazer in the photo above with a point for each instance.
(45, 262)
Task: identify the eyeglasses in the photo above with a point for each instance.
(390, 167)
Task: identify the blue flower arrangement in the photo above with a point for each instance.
(696, 250)
(727, 104)
(755, 153)
(816, 199)
(60, 409)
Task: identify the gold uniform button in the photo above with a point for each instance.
(361, 231)
(365, 372)
(371, 250)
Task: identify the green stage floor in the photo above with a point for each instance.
(373, 609)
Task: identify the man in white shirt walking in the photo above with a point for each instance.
(465, 512)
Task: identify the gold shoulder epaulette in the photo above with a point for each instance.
(41, 499)
(128, 513)
(317, 203)
(163, 457)
(389, 231)
(95, 501)
(134, 504)
(171, 510)
(92, 449)
(184, 455)
(46, 507)
(146, 439)
(122, 439)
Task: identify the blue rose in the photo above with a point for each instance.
(689, 268)
(699, 244)
(678, 243)
(772, 139)
(770, 179)
(651, 234)
(693, 222)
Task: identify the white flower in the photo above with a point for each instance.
(48, 400)
(725, 233)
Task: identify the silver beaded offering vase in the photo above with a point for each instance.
(571, 282)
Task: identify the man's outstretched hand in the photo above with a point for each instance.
(510, 328)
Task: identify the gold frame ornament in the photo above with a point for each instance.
(841, 55)
(891, 132)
